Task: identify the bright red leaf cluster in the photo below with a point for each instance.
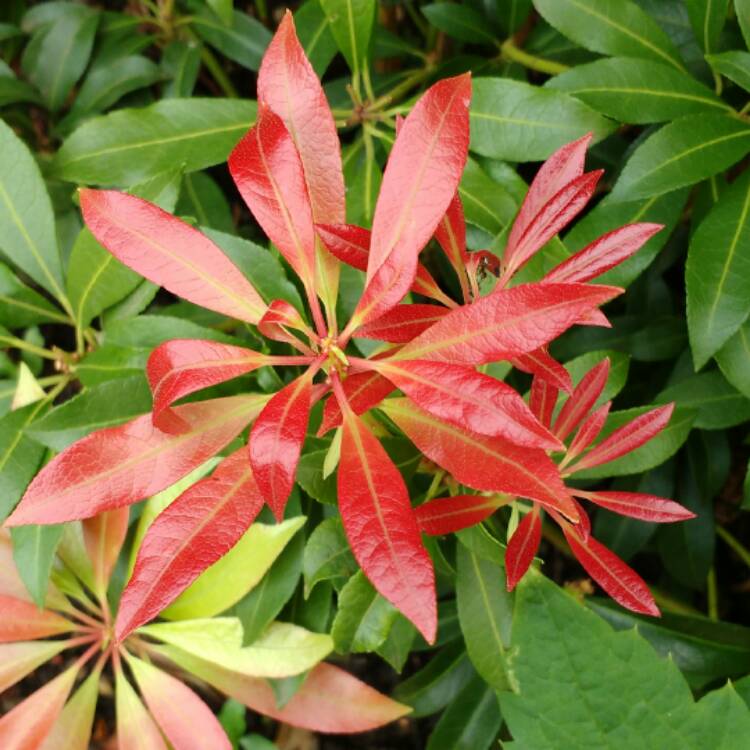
(288, 170)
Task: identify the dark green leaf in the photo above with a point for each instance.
(327, 555)
(34, 552)
(180, 64)
(244, 40)
(459, 22)
(396, 648)
(148, 331)
(742, 8)
(734, 359)
(110, 362)
(203, 199)
(351, 23)
(734, 65)
(13, 90)
(315, 35)
(21, 306)
(487, 204)
(707, 18)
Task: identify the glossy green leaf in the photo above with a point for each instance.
(707, 18)
(109, 363)
(133, 145)
(314, 33)
(364, 618)
(351, 23)
(21, 306)
(734, 359)
(460, 22)
(612, 27)
(397, 646)
(239, 571)
(717, 273)
(619, 364)
(637, 91)
(485, 612)
(34, 552)
(584, 679)
(328, 556)
(363, 176)
(735, 65)
(516, 121)
(180, 64)
(27, 226)
(742, 8)
(203, 199)
(682, 153)
(487, 204)
(148, 331)
(244, 40)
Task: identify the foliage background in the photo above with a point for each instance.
(151, 97)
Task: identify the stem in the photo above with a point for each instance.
(317, 313)
(16, 343)
(741, 551)
(713, 595)
(289, 361)
(434, 488)
(509, 51)
(401, 89)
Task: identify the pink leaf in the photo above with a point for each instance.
(522, 548)
(582, 399)
(637, 505)
(402, 323)
(363, 391)
(104, 535)
(444, 515)
(23, 621)
(540, 364)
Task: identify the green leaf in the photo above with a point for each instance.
(20, 457)
(21, 306)
(34, 552)
(351, 23)
(133, 145)
(717, 273)
(682, 153)
(734, 359)
(397, 646)
(487, 204)
(485, 612)
(578, 682)
(27, 224)
(363, 176)
(202, 198)
(654, 452)
(707, 18)
(105, 405)
(148, 331)
(13, 90)
(281, 651)
(742, 8)
(239, 571)
(315, 35)
(470, 722)
(180, 64)
(637, 91)
(619, 364)
(223, 9)
(327, 556)
(718, 404)
(735, 65)
(244, 40)
(364, 618)
(460, 22)
(110, 362)
(232, 720)
(612, 27)
(516, 121)
(58, 53)
(608, 214)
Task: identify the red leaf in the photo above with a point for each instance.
(627, 438)
(638, 505)
(381, 527)
(104, 535)
(451, 235)
(561, 209)
(444, 515)
(187, 537)
(588, 431)
(276, 441)
(419, 182)
(468, 399)
(582, 399)
(280, 316)
(180, 367)
(484, 463)
(187, 722)
(170, 253)
(24, 621)
(402, 323)
(544, 367)
(121, 465)
(267, 169)
(363, 390)
(507, 323)
(522, 548)
(608, 251)
(561, 168)
(542, 400)
(619, 580)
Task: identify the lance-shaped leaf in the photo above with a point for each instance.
(351, 245)
(187, 722)
(489, 464)
(381, 527)
(451, 235)
(24, 621)
(330, 699)
(190, 535)
(468, 399)
(104, 535)
(542, 400)
(278, 318)
(588, 431)
(444, 515)
(627, 438)
(136, 730)
(170, 253)
(619, 580)
(419, 183)
(581, 400)
(363, 390)
(18, 659)
(266, 167)
(276, 441)
(522, 548)
(121, 465)
(72, 730)
(25, 726)
(544, 367)
(559, 211)
(507, 323)
(608, 251)
(402, 323)
(180, 367)
(561, 168)
(638, 505)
